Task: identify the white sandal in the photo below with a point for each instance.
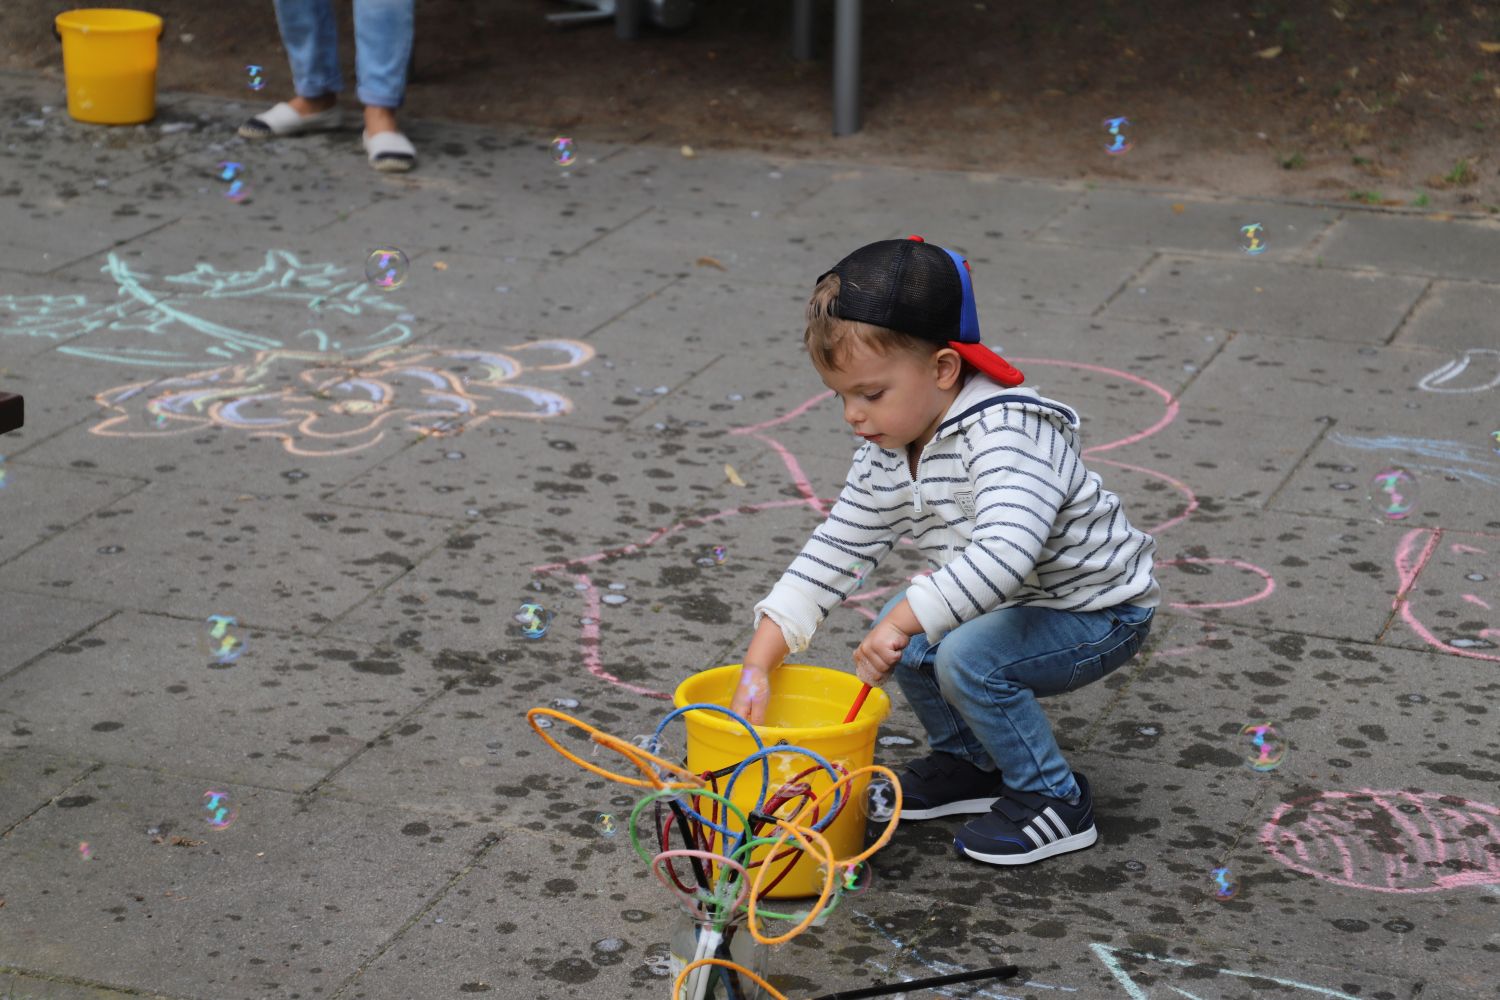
(390, 152)
(284, 119)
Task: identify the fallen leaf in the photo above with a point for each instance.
(710, 262)
(1178, 207)
(439, 265)
(1270, 53)
(687, 151)
(1490, 47)
(734, 477)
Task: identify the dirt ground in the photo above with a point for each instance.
(1384, 102)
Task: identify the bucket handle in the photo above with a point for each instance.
(160, 32)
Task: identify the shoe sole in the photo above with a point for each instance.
(1076, 842)
(963, 807)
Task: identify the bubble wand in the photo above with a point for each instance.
(859, 703)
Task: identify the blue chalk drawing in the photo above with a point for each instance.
(1455, 458)
(1135, 991)
(169, 305)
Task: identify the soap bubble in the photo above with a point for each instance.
(606, 825)
(387, 267)
(1262, 746)
(848, 880)
(720, 554)
(238, 189)
(880, 799)
(1253, 238)
(85, 852)
(257, 80)
(563, 152)
(1393, 492)
(534, 620)
(1117, 144)
(221, 640)
(1224, 886)
(219, 814)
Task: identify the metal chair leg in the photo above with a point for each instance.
(846, 37)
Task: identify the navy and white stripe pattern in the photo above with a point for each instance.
(1003, 508)
(1045, 827)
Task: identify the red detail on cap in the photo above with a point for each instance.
(989, 362)
(967, 267)
(916, 238)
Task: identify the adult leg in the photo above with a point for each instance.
(310, 35)
(383, 36)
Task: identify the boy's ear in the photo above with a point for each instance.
(950, 367)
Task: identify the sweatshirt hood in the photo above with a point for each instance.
(982, 392)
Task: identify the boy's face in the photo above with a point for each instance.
(894, 400)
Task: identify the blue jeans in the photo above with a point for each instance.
(976, 691)
(383, 31)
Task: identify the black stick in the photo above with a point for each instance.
(885, 989)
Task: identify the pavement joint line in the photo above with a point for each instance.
(609, 232)
(92, 768)
(1433, 545)
(113, 246)
(674, 281)
(1126, 282)
(416, 561)
(6, 675)
(69, 527)
(487, 843)
(93, 984)
(1296, 466)
(1405, 321)
(1315, 243)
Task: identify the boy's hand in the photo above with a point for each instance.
(753, 693)
(878, 655)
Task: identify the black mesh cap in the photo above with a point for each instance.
(903, 285)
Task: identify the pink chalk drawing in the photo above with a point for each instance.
(1387, 841)
(1414, 550)
(868, 600)
(318, 404)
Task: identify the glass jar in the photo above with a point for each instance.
(694, 937)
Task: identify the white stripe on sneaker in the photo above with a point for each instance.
(1030, 829)
(1062, 828)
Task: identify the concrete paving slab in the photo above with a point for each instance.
(1257, 568)
(1401, 244)
(1256, 295)
(185, 916)
(31, 780)
(48, 623)
(739, 184)
(969, 211)
(185, 552)
(40, 313)
(1451, 596)
(1036, 275)
(40, 503)
(254, 719)
(1455, 316)
(1135, 219)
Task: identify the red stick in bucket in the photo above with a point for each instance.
(859, 702)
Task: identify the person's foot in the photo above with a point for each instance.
(1023, 827)
(389, 151)
(378, 120)
(941, 784)
(313, 105)
(294, 117)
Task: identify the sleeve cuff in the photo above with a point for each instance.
(930, 608)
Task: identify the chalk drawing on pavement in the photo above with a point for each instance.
(1158, 969)
(318, 405)
(1414, 551)
(1456, 376)
(170, 309)
(1404, 842)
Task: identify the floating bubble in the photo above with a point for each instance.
(720, 554)
(2, 472)
(563, 153)
(849, 880)
(1253, 238)
(387, 267)
(534, 620)
(1393, 492)
(1495, 437)
(85, 852)
(1263, 747)
(859, 571)
(880, 799)
(1224, 886)
(606, 825)
(234, 173)
(256, 79)
(219, 814)
(221, 640)
(1117, 144)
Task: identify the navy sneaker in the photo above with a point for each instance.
(941, 784)
(1023, 827)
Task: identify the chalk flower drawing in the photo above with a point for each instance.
(1388, 841)
(170, 309)
(318, 404)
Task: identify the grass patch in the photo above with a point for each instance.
(1421, 200)
(1368, 197)
(1462, 173)
(1294, 162)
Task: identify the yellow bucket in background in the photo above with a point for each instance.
(807, 708)
(109, 62)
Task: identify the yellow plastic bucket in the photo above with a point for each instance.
(109, 62)
(807, 708)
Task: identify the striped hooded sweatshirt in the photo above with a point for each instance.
(1002, 507)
